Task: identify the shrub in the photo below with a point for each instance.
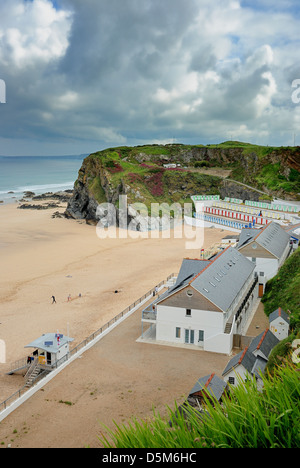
(155, 184)
(114, 167)
(283, 290)
(201, 164)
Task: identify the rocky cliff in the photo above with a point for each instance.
(173, 173)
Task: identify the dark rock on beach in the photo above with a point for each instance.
(27, 206)
(28, 194)
(63, 196)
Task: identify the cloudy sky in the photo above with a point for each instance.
(83, 75)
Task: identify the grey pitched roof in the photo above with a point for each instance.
(273, 238)
(189, 269)
(293, 230)
(219, 280)
(212, 384)
(49, 342)
(254, 365)
(222, 280)
(246, 236)
(246, 358)
(264, 342)
(279, 313)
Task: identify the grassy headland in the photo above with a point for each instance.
(274, 170)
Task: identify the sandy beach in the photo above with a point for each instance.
(41, 257)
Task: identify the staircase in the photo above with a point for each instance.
(32, 373)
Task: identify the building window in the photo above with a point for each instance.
(178, 332)
(188, 313)
(201, 335)
(189, 336)
(231, 380)
(189, 293)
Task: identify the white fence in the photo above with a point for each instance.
(19, 397)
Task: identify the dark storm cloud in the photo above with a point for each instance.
(95, 73)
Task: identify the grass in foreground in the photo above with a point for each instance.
(247, 418)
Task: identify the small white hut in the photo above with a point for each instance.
(279, 323)
(50, 348)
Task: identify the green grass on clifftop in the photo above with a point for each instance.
(272, 169)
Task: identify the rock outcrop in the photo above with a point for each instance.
(143, 175)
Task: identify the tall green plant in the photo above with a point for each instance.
(247, 418)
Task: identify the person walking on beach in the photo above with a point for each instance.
(53, 300)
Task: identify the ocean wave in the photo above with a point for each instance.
(45, 187)
(36, 189)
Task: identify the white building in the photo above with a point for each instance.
(267, 248)
(279, 323)
(211, 301)
(242, 366)
(251, 361)
(231, 239)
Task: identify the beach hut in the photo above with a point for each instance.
(50, 348)
(242, 366)
(279, 323)
(211, 387)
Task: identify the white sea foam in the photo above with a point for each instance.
(18, 193)
(45, 188)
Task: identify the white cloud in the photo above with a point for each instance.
(67, 101)
(136, 71)
(32, 33)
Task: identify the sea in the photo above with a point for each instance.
(37, 174)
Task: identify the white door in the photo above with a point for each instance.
(189, 336)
